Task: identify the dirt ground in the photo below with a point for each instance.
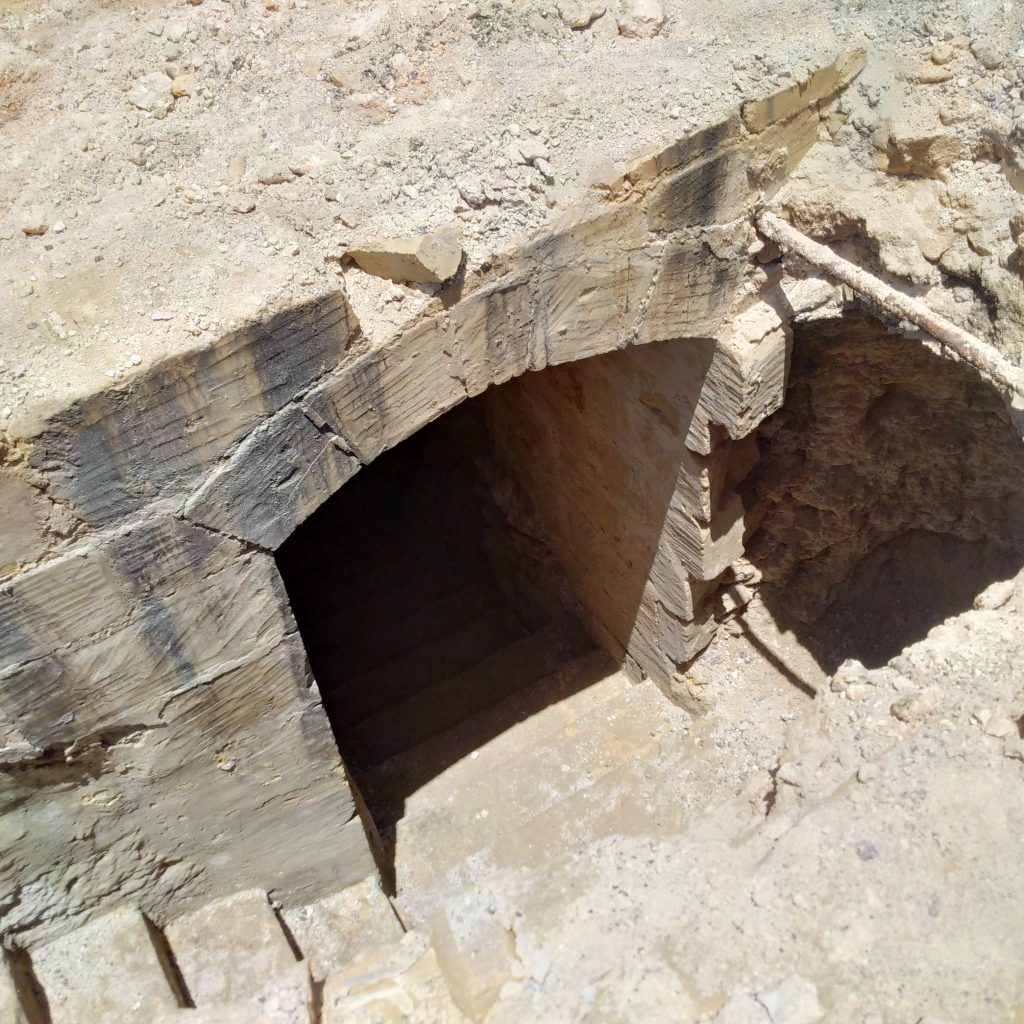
(171, 169)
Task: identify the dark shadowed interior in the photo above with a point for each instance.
(888, 494)
(410, 630)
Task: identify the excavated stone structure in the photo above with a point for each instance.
(162, 735)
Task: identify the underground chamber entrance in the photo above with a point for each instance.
(462, 590)
(429, 627)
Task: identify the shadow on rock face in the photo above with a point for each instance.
(889, 493)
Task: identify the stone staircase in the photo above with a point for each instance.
(235, 961)
(553, 764)
(554, 780)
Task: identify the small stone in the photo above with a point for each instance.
(909, 709)
(531, 149)
(274, 174)
(942, 53)
(135, 360)
(422, 259)
(236, 167)
(175, 31)
(471, 190)
(988, 56)
(999, 725)
(341, 78)
(742, 1008)
(579, 14)
(155, 28)
(182, 85)
(242, 204)
(643, 19)
(161, 314)
(933, 75)
(59, 227)
(866, 851)
(171, 51)
(794, 1001)
(33, 221)
(152, 93)
(856, 691)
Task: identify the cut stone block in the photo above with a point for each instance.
(331, 932)
(163, 432)
(694, 292)
(287, 998)
(422, 259)
(105, 973)
(746, 381)
(280, 474)
(701, 144)
(759, 114)
(228, 949)
(709, 191)
(477, 955)
(402, 982)
(384, 396)
(492, 330)
(591, 278)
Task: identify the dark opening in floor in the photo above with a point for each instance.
(889, 493)
(427, 631)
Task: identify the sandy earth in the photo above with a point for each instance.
(138, 142)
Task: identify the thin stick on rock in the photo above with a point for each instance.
(983, 357)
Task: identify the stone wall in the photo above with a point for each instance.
(161, 737)
(624, 467)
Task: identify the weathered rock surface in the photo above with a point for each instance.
(107, 971)
(227, 949)
(331, 931)
(402, 982)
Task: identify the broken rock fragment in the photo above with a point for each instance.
(152, 93)
(579, 14)
(422, 259)
(641, 19)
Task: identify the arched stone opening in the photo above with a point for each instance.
(522, 548)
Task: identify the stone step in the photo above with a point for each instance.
(333, 931)
(510, 798)
(107, 972)
(613, 802)
(389, 639)
(229, 948)
(441, 706)
(285, 998)
(481, 744)
(398, 982)
(447, 655)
